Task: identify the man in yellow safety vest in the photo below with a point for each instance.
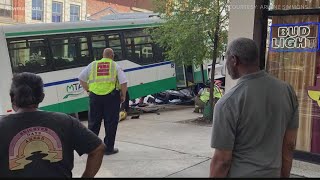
(106, 85)
(204, 95)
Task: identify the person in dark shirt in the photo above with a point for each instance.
(37, 143)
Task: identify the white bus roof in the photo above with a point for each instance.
(129, 16)
(11, 31)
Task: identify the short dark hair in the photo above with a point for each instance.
(245, 49)
(26, 89)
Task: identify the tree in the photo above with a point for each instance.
(193, 32)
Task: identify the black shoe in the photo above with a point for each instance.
(114, 151)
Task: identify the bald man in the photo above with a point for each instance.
(101, 79)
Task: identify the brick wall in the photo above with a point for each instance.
(121, 6)
(18, 11)
(94, 6)
(144, 4)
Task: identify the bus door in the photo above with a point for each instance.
(199, 74)
(181, 76)
(189, 75)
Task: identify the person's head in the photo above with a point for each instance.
(242, 56)
(218, 82)
(26, 91)
(108, 53)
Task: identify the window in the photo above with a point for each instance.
(37, 10)
(74, 13)
(139, 47)
(158, 54)
(99, 43)
(115, 43)
(292, 55)
(102, 41)
(56, 12)
(70, 52)
(6, 8)
(29, 55)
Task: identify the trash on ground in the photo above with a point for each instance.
(154, 103)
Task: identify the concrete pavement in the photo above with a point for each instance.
(157, 146)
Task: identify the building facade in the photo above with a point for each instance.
(41, 11)
(12, 12)
(47, 11)
(287, 32)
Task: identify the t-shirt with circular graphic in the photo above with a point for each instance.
(42, 144)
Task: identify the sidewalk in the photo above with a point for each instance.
(157, 146)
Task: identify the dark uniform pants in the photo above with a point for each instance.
(105, 107)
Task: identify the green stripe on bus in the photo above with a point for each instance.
(16, 34)
(82, 104)
(77, 105)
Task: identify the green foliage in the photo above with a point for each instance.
(187, 34)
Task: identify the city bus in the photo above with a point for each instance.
(59, 51)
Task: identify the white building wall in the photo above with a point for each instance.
(241, 24)
(47, 16)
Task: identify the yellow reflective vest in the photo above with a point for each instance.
(205, 95)
(103, 77)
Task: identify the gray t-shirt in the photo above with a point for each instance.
(251, 120)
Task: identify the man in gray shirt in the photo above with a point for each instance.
(255, 124)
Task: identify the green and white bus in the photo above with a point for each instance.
(59, 51)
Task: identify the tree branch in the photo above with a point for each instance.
(211, 36)
(224, 6)
(224, 19)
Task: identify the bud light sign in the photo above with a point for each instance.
(294, 37)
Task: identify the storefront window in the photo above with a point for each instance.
(293, 4)
(293, 56)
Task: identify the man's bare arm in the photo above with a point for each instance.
(94, 162)
(124, 88)
(84, 85)
(220, 163)
(289, 144)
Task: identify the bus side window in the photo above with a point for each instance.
(99, 43)
(69, 52)
(102, 41)
(114, 42)
(158, 53)
(29, 55)
(139, 48)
